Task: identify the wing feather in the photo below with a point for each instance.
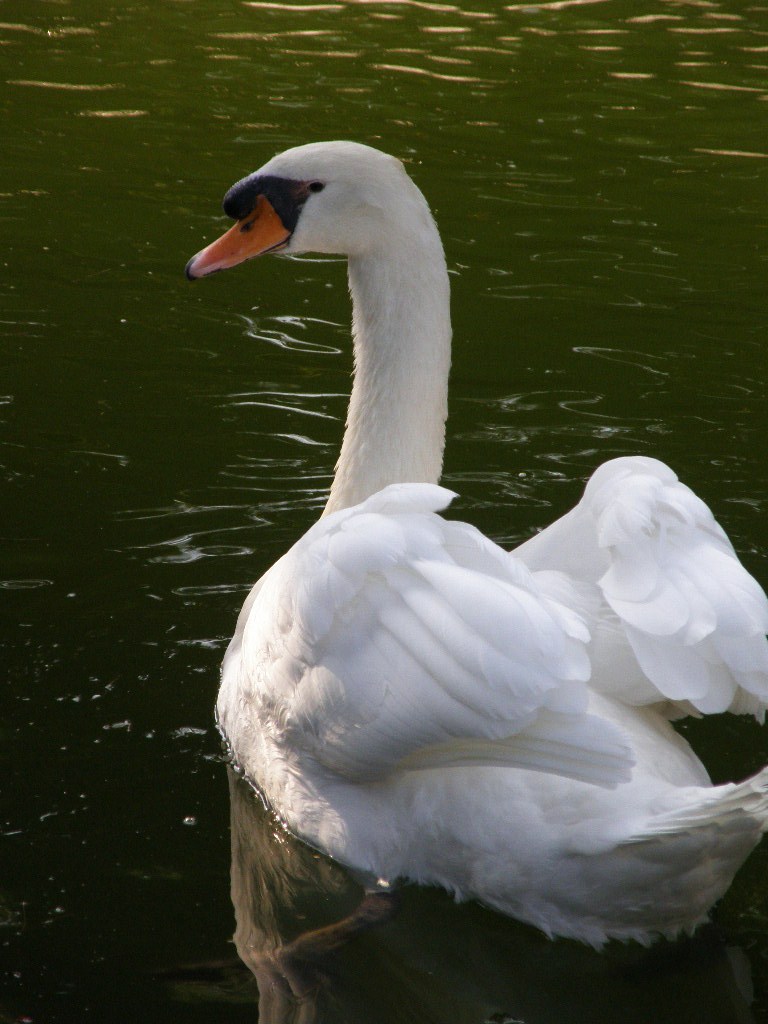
(667, 585)
(389, 639)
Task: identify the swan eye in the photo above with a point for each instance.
(316, 186)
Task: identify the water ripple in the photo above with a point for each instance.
(628, 356)
(288, 402)
(26, 584)
(178, 508)
(281, 337)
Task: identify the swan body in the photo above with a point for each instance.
(420, 704)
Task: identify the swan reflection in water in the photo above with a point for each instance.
(320, 950)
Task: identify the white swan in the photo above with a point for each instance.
(418, 703)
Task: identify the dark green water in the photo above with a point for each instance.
(599, 173)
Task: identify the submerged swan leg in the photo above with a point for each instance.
(297, 970)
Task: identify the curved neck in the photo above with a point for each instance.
(401, 329)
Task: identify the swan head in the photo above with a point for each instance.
(327, 197)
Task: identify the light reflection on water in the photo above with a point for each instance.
(282, 338)
(598, 174)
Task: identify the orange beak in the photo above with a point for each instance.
(261, 231)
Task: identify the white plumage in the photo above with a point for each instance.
(420, 704)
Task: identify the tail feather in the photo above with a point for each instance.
(670, 873)
(738, 807)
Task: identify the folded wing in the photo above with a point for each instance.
(673, 614)
(389, 639)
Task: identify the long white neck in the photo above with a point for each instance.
(402, 349)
